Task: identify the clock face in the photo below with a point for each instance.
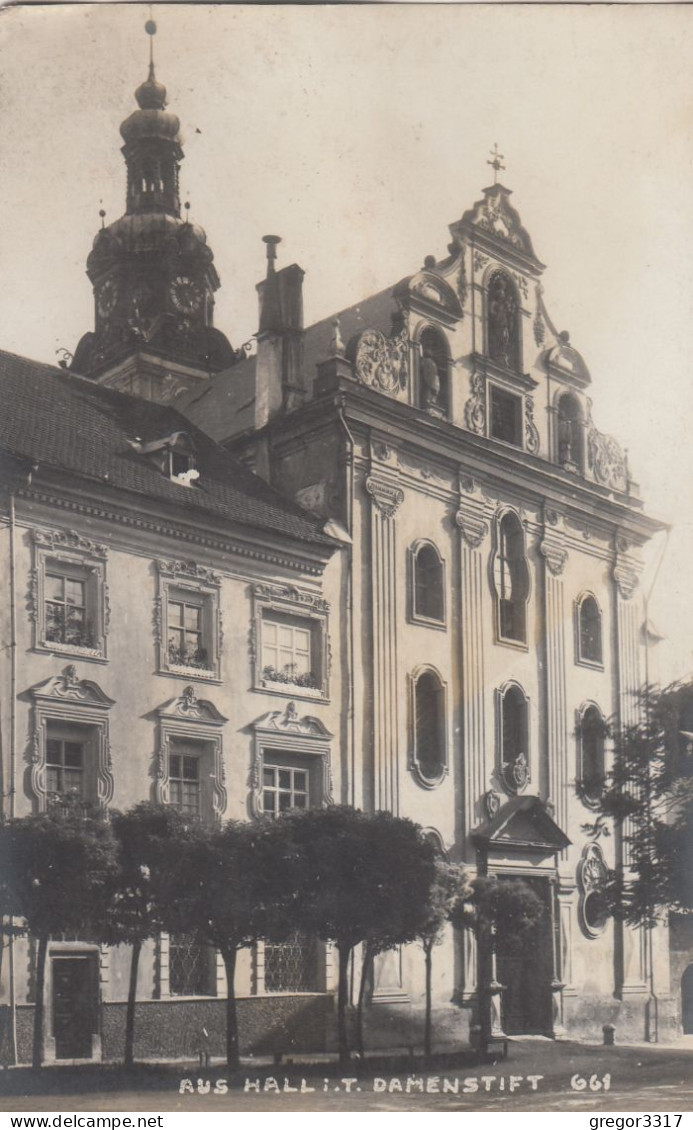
(186, 295)
(107, 297)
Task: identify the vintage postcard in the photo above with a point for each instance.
(346, 523)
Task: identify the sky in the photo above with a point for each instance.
(358, 133)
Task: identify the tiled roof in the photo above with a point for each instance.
(225, 407)
(58, 420)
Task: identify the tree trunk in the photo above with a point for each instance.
(366, 966)
(132, 998)
(342, 1001)
(37, 1055)
(232, 1053)
(428, 954)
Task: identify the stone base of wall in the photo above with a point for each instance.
(173, 1029)
(585, 1016)
(402, 1026)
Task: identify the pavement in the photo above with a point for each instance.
(538, 1074)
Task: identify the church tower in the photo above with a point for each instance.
(152, 271)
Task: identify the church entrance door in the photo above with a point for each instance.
(525, 968)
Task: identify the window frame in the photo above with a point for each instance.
(68, 554)
(282, 739)
(588, 799)
(578, 429)
(580, 658)
(415, 616)
(192, 722)
(415, 763)
(495, 564)
(296, 608)
(163, 965)
(197, 586)
(64, 706)
(495, 387)
(302, 742)
(511, 786)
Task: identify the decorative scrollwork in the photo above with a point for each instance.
(531, 433)
(475, 408)
(383, 363)
(592, 875)
(607, 461)
(462, 282)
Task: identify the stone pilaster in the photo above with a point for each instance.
(632, 976)
(557, 764)
(386, 497)
(472, 519)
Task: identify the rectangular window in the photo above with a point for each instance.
(184, 782)
(188, 620)
(190, 968)
(66, 611)
(290, 652)
(290, 967)
(65, 767)
(506, 416)
(284, 788)
(185, 633)
(69, 601)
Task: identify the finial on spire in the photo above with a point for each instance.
(102, 213)
(271, 242)
(150, 28)
(495, 162)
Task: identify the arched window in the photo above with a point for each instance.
(433, 373)
(570, 433)
(512, 580)
(589, 631)
(503, 321)
(591, 738)
(428, 591)
(429, 747)
(514, 739)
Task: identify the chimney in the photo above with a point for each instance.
(279, 366)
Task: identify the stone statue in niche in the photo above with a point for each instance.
(430, 379)
(502, 321)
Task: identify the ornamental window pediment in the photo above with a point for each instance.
(71, 762)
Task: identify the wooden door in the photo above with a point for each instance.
(75, 1006)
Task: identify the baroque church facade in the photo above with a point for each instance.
(386, 560)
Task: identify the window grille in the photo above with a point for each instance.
(189, 967)
(290, 966)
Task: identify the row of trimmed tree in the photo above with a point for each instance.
(355, 880)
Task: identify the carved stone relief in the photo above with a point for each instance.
(383, 363)
(475, 408)
(387, 498)
(531, 433)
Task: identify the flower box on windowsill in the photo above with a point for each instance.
(86, 650)
(303, 685)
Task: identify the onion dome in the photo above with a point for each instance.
(151, 95)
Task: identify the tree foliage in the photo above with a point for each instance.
(365, 879)
(448, 901)
(145, 894)
(56, 867)
(241, 887)
(509, 907)
(648, 794)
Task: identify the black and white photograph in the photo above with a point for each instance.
(346, 529)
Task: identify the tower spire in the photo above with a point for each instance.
(150, 28)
